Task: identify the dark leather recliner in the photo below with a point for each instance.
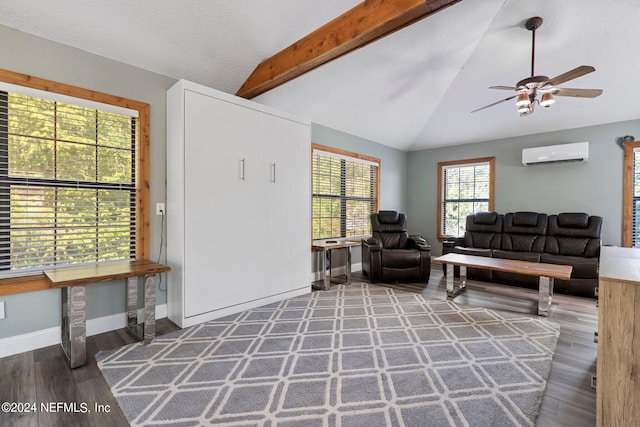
(391, 254)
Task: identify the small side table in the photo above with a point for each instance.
(326, 248)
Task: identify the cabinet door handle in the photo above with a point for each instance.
(273, 172)
(242, 169)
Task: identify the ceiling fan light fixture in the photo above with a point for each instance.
(547, 99)
(523, 100)
(524, 109)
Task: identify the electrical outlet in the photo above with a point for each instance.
(2, 315)
(160, 209)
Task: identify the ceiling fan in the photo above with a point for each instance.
(529, 88)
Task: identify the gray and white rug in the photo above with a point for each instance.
(357, 355)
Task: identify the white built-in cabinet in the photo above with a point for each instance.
(238, 204)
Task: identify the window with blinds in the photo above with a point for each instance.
(345, 193)
(465, 187)
(67, 184)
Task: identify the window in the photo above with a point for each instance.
(345, 192)
(464, 188)
(631, 198)
(71, 174)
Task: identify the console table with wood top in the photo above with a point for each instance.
(545, 272)
(326, 248)
(72, 281)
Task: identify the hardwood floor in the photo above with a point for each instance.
(43, 377)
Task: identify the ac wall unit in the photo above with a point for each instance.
(574, 152)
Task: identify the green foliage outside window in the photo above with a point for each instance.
(466, 191)
(344, 195)
(68, 174)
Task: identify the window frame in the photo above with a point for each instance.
(628, 190)
(441, 165)
(38, 281)
(355, 156)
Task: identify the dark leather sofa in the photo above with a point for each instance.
(567, 238)
(391, 254)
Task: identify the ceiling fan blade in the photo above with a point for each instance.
(495, 103)
(504, 87)
(569, 75)
(580, 93)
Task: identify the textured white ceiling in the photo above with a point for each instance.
(411, 90)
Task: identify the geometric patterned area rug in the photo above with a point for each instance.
(356, 355)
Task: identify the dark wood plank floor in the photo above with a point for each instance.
(43, 376)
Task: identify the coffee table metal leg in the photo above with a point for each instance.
(450, 292)
(463, 278)
(454, 289)
(545, 294)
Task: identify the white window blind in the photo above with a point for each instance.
(465, 191)
(67, 184)
(345, 193)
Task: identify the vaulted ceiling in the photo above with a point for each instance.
(412, 89)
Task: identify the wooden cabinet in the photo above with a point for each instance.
(618, 370)
(238, 204)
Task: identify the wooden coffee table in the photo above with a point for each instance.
(545, 272)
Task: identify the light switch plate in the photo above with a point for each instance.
(2, 310)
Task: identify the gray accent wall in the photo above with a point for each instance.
(594, 186)
(27, 54)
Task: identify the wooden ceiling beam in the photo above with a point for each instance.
(363, 24)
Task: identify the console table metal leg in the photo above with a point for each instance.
(132, 305)
(326, 259)
(347, 274)
(545, 294)
(149, 309)
(147, 329)
(73, 328)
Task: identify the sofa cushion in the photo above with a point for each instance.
(519, 256)
(400, 258)
(527, 219)
(464, 250)
(583, 268)
(524, 232)
(487, 218)
(573, 220)
(483, 230)
(525, 223)
(574, 234)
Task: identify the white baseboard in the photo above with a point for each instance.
(338, 271)
(51, 336)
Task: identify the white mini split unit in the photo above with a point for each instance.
(575, 152)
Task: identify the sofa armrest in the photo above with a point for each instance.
(372, 258)
(372, 244)
(418, 242)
